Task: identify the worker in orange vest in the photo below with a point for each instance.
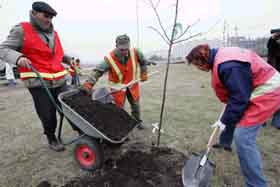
(250, 88)
(75, 71)
(123, 64)
(36, 43)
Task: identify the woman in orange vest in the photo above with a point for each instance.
(124, 65)
(250, 88)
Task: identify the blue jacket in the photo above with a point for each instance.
(236, 76)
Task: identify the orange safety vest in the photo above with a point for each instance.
(121, 74)
(265, 98)
(72, 69)
(47, 63)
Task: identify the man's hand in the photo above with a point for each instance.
(220, 125)
(144, 76)
(87, 87)
(24, 62)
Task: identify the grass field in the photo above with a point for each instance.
(190, 109)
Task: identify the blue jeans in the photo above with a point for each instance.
(276, 119)
(227, 136)
(249, 156)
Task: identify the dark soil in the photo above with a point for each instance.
(155, 167)
(109, 119)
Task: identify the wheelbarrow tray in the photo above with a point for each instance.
(85, 126)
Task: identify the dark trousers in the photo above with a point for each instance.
(75, 80)
(45, 108)
(226, 137)
(134, 105)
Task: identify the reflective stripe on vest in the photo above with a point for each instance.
(135, 71)
(115, 67)
(44, 75)
(269, 86)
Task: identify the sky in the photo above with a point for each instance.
(88, 28)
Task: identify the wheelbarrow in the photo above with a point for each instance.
(88, 151)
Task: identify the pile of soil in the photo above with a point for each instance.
(157, 167)
(112, 121)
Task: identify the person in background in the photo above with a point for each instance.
(123, 64)
(75, 71)
(273, 58)
(37, 44)
(9, 73)
(250, 88)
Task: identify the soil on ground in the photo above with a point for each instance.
(109, 119)
(152, 167)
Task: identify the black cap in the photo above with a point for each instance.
(41, 6)
(275, 30)
(123, 41)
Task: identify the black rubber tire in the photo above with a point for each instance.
(88, 153)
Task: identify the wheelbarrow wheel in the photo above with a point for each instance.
(88, 154)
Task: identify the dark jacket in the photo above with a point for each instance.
(273, 56)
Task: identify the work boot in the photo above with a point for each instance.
(54, 144)
(141, 126)
(221, 146)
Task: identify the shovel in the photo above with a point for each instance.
(198, 170)
(104, 95)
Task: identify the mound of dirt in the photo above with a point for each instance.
(155, 167)
(109, 119)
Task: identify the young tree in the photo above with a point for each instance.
(177, 35)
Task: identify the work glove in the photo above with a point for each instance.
(87, 87)
(220, 125)
(144, 76)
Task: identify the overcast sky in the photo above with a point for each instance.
(88, 27)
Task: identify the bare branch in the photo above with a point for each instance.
(159, 20)
(157, 3)
(157, 31)
(190, 37)
(186, 30)
(213, 26)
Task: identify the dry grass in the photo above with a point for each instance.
(191, 106)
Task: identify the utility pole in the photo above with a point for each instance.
(138, 22)
(228, 36)
(236, 31)
(224, 34)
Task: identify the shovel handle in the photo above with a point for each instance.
(125, 86)
(216, 133)
(213, 138)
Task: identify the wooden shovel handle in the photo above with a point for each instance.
(213, 138)
(216, 133)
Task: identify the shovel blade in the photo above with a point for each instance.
(194, 175)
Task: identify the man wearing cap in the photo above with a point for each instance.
(124, 65)
(36, 43)
(250, 88)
